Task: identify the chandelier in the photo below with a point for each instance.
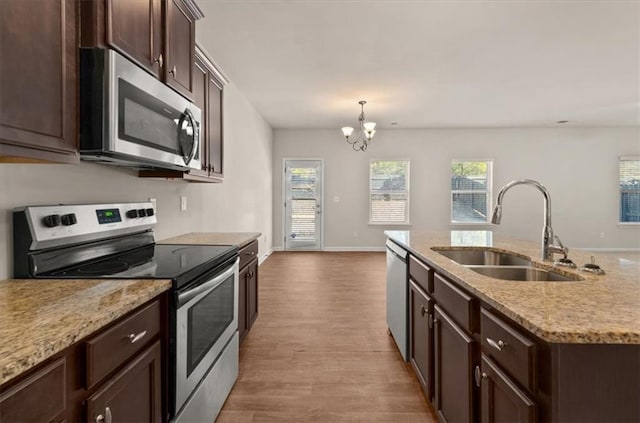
(367, 129)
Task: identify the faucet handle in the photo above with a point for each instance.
(564, 249)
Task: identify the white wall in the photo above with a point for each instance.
(579, 167)
(242, 203)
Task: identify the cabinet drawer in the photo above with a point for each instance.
(460, 306)
(112, 347)
(421, 274)
(39, 398)
(248, 253)
(515, 353)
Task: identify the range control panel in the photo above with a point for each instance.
(63, 224)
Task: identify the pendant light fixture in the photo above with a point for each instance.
(367, 129)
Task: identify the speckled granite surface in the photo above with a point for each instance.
(598, 309)
(213, 238)
(39, 318)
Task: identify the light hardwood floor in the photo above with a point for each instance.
(319, 351)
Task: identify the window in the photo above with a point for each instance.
(389, 192)
(470, 191)
(629, 182)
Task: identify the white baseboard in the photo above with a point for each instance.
(265, 256)
(610, 250)
(354, 249)
(342, 249)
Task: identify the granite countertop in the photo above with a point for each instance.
(239, 239)
(39, 318)
(598, 309)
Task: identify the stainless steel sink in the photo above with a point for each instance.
(522, 273)
(484, 257)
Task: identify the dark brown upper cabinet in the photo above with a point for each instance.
(158, 35)
(38, 81)
(181, 45)
(135, 28)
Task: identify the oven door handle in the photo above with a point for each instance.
(188, 295)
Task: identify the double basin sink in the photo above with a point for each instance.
(501, 265)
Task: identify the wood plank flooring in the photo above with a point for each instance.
(319, 351)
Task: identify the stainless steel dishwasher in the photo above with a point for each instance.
(397, 297)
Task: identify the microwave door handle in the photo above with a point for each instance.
(188, 116)
(196, 137)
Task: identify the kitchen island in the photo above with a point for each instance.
(487, 349)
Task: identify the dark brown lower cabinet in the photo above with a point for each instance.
(132, 395)
(453, 352)
(39, 398)
(421, 337)
(502, 399)
(247, 298)
(132, 387)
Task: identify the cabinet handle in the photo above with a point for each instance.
(422, 310)
(99, 418)
(430, 319)
(479, 376)
(133, 338)
(173, 72)
(107, 413)
(497, 345)
(159, 60)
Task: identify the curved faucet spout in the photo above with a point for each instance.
(547, 231)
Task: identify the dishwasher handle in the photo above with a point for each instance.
(397, 251)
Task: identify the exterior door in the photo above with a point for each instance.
(303, 205)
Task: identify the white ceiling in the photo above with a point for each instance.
(426, 64)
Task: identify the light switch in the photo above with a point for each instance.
(336, 198)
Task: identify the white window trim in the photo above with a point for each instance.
(620, 223)
(407, 222)
(489, 192)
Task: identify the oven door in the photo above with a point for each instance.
(206, 319)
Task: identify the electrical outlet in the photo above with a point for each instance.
(602, 235)
(183, 203)
(336, 198)
(355, 234)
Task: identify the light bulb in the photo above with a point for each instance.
(346, 131)
(369, 126)
(370, 134)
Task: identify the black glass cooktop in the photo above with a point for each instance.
(181, 263)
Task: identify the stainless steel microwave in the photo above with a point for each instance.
(129, 118)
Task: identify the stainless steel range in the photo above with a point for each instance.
(116, 241)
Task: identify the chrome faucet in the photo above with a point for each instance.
(548, 248)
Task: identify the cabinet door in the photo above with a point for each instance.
(181, 45)
(243, 326)
(39, 398)
(132, 395)
(421, 337)
(252, 294)
(200, 81)
(38, 80)
(502, 400)
(453, 368)
(135, 28)
(214, 117)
